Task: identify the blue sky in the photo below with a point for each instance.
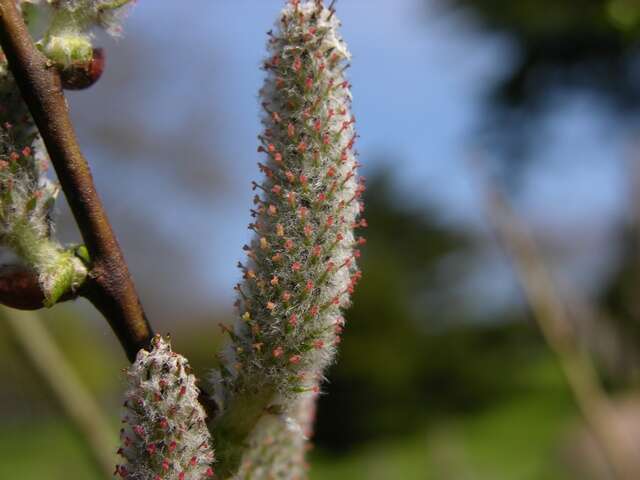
(419, 75)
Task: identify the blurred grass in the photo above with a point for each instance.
(518, 439)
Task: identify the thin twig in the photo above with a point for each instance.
(110, 287)
(551, 316)
(44, 357)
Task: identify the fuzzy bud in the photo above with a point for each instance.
(165, 435)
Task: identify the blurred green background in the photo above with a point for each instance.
(442, 372)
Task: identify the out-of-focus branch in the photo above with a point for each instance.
(551, 315)
(43, 356)
(109, 287)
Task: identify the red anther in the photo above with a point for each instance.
(308, 230)
(321, 197)
(339, 237)
(296, 266)
(286, 296)
(181, 476)
(139, 430)
(315, 389)
(271, 305)
(209, 472)
(295, 359)
(26, 152)
(329, 221)
(302, 212)
(274, 280)
(314, 311)
(318, 344)
(279, 83)
(277, 352)
(276, 117)
(331, 172)
(288, 244)
(183, 391)
(276, 189)
(271, 147)
(326, 139)
(272, 210)
(293, 320)
(291, 178)
(317, 126)
(302, 147)
(165, 465)
(278, 157)
(330, 266)
(151, 448)
(13, 156)
(361, 241)
(308, 83)
(309, 285)
(172, 446)
(356, 254)
(303, 179)
(336, 300)
(317, 251)
(291, 197)
(164, 424)
(291, 130)
(297, 64)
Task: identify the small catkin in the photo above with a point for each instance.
(165, 435)
(301, 267)
(27, 197)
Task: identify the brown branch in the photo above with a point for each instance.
(110, 287)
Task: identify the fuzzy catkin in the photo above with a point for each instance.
(165, 435)
(27, 197)
(301, 266)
